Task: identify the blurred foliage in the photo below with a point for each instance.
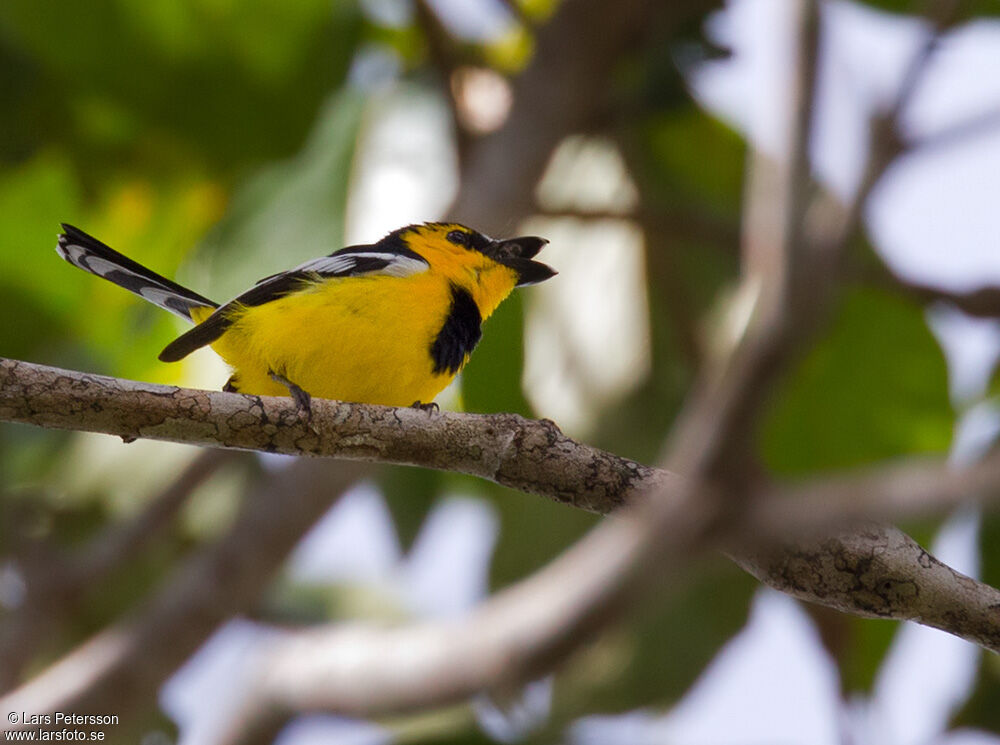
(874, 387)
(970, 10)
(288, 212)
(532, 531)
(982, 709)
(656, 658)
(688, 168)
(491, 382)
(216, 142)
(228, 85)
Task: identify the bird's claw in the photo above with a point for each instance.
(302, 399)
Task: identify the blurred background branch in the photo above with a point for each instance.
(61, 582)
(122, 667)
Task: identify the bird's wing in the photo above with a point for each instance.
(354, 261)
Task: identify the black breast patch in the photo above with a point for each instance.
(459, 335)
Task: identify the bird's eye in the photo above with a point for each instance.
(458, 237)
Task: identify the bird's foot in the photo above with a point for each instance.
(431, 408)
(303, 401)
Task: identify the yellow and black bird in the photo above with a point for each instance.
(388, 323)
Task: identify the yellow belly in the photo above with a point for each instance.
(365, 339)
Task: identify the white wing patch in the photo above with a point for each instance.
(166, 300)
(96, 265)
(344, 265)
(75, 255)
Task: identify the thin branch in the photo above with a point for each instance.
(685, 222)
(975, 126)
(530, 455)
(982, 302)
(713, 436)
(664, 273)
(562, 91)
(907, 489)
(880, 572)
(794, 200)
(614, 215)
(887, 138)
(515, 636)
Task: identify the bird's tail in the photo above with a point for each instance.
(88, 253)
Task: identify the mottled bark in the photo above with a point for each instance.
(525, 454)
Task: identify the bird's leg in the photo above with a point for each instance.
(431, 408)
(303, 401)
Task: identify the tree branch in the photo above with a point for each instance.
(975, 126)
(880, 572)
(563, 90)
(875, 572)
(982, 302)
(512, 451)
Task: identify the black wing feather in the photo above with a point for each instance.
(204, 333)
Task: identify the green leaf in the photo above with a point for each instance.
(967, 11)
(491, 382)
(873, 387)
(694, 157)
(410, 493)
(231, 83)
(33, 198)
(655, 659)
(674, 644)
(862, 650)
(532, 532)
(982, 709)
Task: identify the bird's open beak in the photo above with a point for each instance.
(517, 254)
